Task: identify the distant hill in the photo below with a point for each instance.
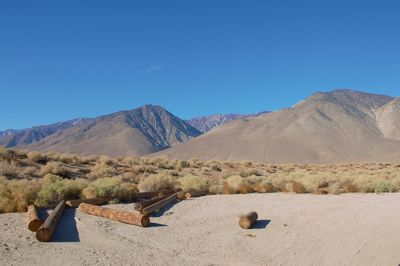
(15, 138)
(342, 125)
(141, 131)
(207, 123)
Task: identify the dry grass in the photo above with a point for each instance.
(45, 178)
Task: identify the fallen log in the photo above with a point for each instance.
(197, 193)
(152, 194)
(246, 221)
(46, 231)
(158, 205)
(143, 204)
(116, 215)
(34, 222)
(181, 195)
(93, 201)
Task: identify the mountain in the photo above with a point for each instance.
(137, 132)
(342, 125)
(388, 119)
(14, 138)
(206, 123)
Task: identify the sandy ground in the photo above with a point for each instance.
(351, 229)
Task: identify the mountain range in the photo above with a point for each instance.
(337, 126)
(207, 123)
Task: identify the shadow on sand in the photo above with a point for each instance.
(261, 224)
(66, 230)
(163, 210)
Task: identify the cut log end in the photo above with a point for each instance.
(44, 235)
(248, 220)
(34, 225)
(34, 222)
(145, 221)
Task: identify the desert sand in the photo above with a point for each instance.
(348, 229)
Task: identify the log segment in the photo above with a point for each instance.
(158, 205)
(151, 194)
(93, 201)
(34, 222)
(248, 220)
(197, 193)
(143, 204)
(46, 231)
(116, 215)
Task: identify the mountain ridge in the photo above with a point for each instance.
(336, 126)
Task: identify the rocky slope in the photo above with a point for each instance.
(141, 131)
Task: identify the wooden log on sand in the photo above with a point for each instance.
(143, 204)
(246, 221)
(197, 193)
(34, 222)
(152, 194)
(116, 215)
(46, 231)
(158, 205)
(94, 201)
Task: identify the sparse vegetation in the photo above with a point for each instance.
(46, 178)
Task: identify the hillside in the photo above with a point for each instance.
(337, 126)
(207, 123)
(136, 132)
(14, 138)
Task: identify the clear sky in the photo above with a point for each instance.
(66, 59)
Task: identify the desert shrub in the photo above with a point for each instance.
(101, 170)
(232, 184)
(131, 176)
(7, 154)
(192, 182)
(37, 157)
(110, 188)
(55, 168)
(54, 189)
(216, 189)
(245, 188)
(157, 182)
(263, 187)
(383, 186)
(181, 164)
(194, 163)
(348, 187)
(248, 172)
(8, 168)
(29, 172)
(105, 160)
(69, 158)
(295, 187)
(15, 195)
(89, 159)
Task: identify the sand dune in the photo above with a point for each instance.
(351, 229)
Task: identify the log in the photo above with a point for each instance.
(158, 205)
(181, 195)
(246, 221)
(197, 193)
(93, 201)
(46, 231)
(34, 222)
(143, 204)
(152, 194)
(116, 215)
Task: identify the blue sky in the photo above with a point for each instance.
(66, 59)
